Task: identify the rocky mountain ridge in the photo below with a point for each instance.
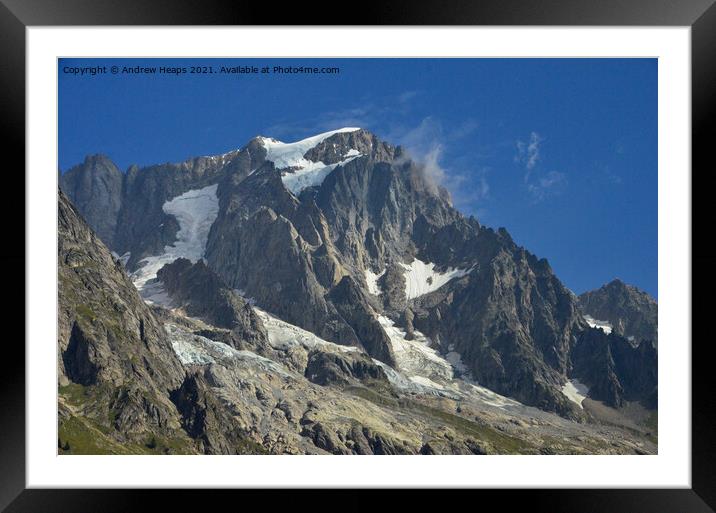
(345, 236)
(630, 312)
(137, 379)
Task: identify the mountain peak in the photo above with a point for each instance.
(310, 141)
(617, 285)
(98, 158)
(306, 163)
(632, 312)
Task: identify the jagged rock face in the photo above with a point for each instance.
(278, 250)
(630, 311)
(95, 187)
(304, 254)
(125, 209)
(293, 253)
(353, 307)
(372, 206)
(207, 420)
(325, 368)
(511, 320)
(615, 370)
(135, 396)
(109, 343)
(143, 226)
(258, 203)
(274, 265)
(99, 306)
(334, 148)
(201, 293)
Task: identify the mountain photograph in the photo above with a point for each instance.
(320, 265)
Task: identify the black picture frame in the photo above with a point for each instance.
(700, 15)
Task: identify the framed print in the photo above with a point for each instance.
(451, 250)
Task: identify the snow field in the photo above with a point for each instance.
(605, 326)
(371, 279)
(196, 211)
(421, 278)
(575, 391)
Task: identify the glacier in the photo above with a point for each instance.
(195, 210)
(197, 350)
(415, 357)
(283, 335)
(421, 369)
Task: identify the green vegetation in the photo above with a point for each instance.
(85, 312)
(248, 446)
(164, 445)
(83, 436)
(372, 396)
(502, 443)
(74, 393)
(90, 427)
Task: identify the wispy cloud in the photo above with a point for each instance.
(424, 143)
(428, 142)
(528, 152)
(420, 139)
(469, 191)
(551, 184)
(464, 129)
(407, 96)
(539, 185)
(433, 172)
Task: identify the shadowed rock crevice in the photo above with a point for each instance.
(201, 293)
(78, 361)
(325, 368)
(615, 370)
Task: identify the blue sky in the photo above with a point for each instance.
(561, 152)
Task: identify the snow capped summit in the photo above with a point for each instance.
(297, 171)
(287, 155)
